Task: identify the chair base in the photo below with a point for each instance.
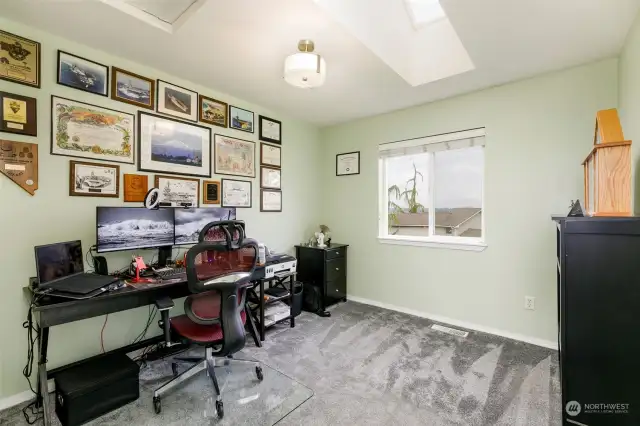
(208, 364)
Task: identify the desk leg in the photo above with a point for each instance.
(252, 326)
(291, 290)
(262, 310)
(43, 388)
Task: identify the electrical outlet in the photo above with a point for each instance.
(530, 303)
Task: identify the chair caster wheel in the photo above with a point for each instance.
(219, 409)
(157, 406)
(174, 369)
(259, 373)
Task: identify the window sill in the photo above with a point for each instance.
(450, 243)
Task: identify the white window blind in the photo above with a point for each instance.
(444, 142)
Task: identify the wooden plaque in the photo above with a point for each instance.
(18, 114)
(19, 162)
(135, 187)
(211, 192)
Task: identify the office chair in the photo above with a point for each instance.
(218, 274)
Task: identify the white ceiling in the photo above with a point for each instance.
(239, 46)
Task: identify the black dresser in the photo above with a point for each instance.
(599, 320)
(326, 269)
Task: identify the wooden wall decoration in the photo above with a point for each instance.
(135, 187)
(19, 162)
(607, 169)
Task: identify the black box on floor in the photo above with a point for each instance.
(96, 387)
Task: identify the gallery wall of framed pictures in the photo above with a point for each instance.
(105, 117)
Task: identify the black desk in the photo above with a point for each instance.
(51, 311)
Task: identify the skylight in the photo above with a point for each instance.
(168, 15)
(424, 12)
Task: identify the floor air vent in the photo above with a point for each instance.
(452, 331)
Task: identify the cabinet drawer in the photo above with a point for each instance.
(337, 288)
(336, 253)
(336, 269)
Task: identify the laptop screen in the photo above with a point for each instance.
(55, 261)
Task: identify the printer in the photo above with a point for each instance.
(277, 264)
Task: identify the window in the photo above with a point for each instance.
(430, 191)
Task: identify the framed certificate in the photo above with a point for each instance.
(270, 201)
(270, 178)
(270, 155)
(348, 164)
(270, 130)
(236, 193)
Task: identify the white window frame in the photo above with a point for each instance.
(435, 241)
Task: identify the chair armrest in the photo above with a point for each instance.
(164, 303)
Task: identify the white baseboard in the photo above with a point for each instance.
(19, 398)
(463, 324)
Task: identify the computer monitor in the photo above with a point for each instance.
(129, 228)
(57, 261)
(189, 222)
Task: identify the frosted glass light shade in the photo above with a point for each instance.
(305, 70)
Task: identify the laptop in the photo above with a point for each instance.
(60, 269)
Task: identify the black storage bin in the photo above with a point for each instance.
(95, 387)
(296, 306)
(312, 298)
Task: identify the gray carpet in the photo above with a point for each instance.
(370, 366)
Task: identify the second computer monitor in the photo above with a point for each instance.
(128, 228)
(189, 222)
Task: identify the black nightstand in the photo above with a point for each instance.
(325, 268)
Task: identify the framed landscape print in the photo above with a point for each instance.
(213, 111)
(132, 88)
(177, 101)
(82, 74)
(270, 201)
(18, 114)
(89, 131)
(241, 119)
(270, 178)
(94, 179)
(176, 192)
(270, 155)
(270, 130)
(235, 157)
(348, 164)
(171, 146)
(19, 59)
(210, 192)
(236, 193)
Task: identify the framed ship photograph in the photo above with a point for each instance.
(270, 130)
(89, 131)
(270, 201)
(235, 157)
(270, 178)
(177, 101)
(213, 111)
(82, 74)
(210, 192)
(132, 88)
(177, 192)
(240, 119)
(167, 145)
(94, 179)
(18, 114)
(19, 59)
(236, 193)
(270, 155)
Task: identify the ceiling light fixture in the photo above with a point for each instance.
(305, 69)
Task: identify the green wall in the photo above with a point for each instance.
(51, 215)
(538, 132)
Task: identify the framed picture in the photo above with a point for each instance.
(132, 88)
(235, 157)
(213, 111)
(19, 59)
(270, 178)
(171, 146)
(241, 119)
(236, 193)
(176, 192)
(18, 114)
(82, 74)
(94, 179)
(270, 130)
(135, 188)
(89, 131)
(177, 101)
(210, 192)
(348, 164)
(270, 155)
(270, 201)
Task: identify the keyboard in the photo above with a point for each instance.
(171, 273)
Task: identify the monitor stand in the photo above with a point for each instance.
(164, 254)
